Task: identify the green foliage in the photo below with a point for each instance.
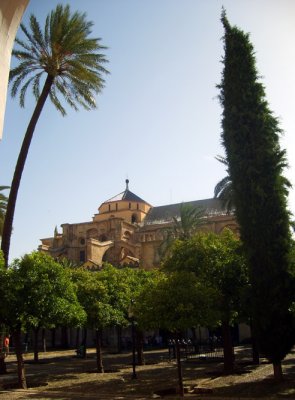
(106, 295)
(256, 163)
(175, 302)
(3, 205)
(183, 227)
(73, 67)
(1, 260)
(218, 263)
(125, 286)
(37, 292)
(224, 189)
(189, 222)
(63, 51)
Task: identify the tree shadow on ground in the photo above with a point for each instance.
(72, 378)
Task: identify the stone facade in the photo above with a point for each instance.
(127, 231)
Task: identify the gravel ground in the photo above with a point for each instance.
(61, 375)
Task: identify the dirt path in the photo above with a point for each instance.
(61, 375)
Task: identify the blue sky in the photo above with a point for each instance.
(158, 118)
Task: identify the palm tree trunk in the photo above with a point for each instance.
(8, 222)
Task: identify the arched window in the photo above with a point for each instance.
(133, 218)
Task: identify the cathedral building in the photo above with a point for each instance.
(127, 230)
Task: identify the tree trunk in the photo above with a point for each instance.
(99, 363)
(9, 215)
(77, 338)
(3, 369)
(179, 368)
(277, 371)
(139, 347)
(228, 349)
(36, 349)
(84, 343)
(44, 340)
(255, 352)
(22, 382)
(255, 348)
(119, 339)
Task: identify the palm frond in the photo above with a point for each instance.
(221, 159)
(56, 102)
(221, 185)
(36, 85)
(63, 50)
(37, 33)
(64, 90)
(23, 91)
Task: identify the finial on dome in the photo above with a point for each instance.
(127, 182)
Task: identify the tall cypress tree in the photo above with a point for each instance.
(250, 135)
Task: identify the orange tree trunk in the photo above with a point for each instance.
(228, 350)
(3, 369)
(139, 347)
(36, 347)
(22, 382)
(99, 363)
(9, 215)
(179, 367)
(277, 371)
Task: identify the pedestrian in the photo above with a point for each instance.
(6, 345)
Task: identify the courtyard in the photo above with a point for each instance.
(61, 375)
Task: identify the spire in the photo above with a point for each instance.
(127, 183)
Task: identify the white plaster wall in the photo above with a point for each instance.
(11, 12)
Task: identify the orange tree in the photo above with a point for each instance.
(37, 292)
(219, 264)
(176, 302)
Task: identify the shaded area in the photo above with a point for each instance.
(63, 376)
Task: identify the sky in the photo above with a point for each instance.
(158, 120)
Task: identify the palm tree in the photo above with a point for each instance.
(73, 66)
(224, 189)
(3, 205)
(183, 227)
(189, 221)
